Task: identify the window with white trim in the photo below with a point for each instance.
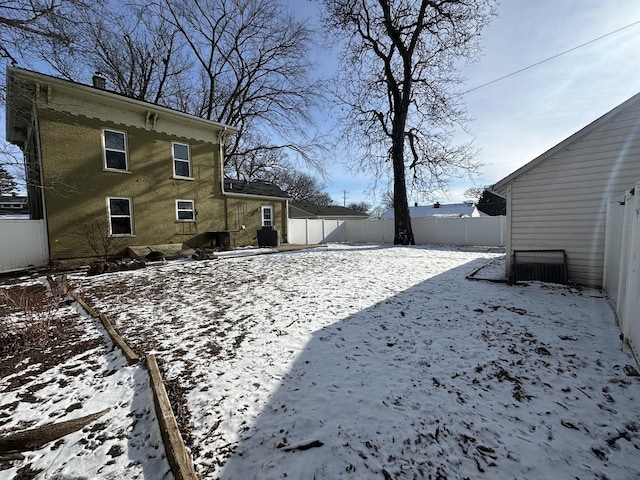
(181, 160)
(267, 216)
(115, 150)
(120, 216)
(185, 211)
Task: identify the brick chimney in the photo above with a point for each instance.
(99, 81)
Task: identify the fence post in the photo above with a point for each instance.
(631, 260)
(306, 231)
(624, 257)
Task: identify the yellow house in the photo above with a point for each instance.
(108, 172)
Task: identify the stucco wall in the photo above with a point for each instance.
(78, 187)
(247, 211)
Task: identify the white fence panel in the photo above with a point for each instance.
(487, 231)
(621, 278)
(297, 231)
(613, 249)
(23, 244)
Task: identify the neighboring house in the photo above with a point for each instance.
(102, 164)
(490, 204)
(559, 199)
(13, 205)
(466, 209)
(328, 212)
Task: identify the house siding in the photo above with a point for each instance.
(59, 126)
(79, 187)
(561, 202)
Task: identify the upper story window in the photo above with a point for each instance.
(185, 211)
(115, 150)
(120, 216)
(181, 160)
(267, 216)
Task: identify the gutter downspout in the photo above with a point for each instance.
(41, 186)
(221, 137)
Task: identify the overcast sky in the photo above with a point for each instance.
(520, 117)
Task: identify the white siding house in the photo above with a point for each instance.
(559, 199)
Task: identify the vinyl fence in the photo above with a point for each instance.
(23, 244)
(622, 263)
(481, 231)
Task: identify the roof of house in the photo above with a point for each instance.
(309, 209)
(500, 186)
(443, 210)
(23, 84)
(20, 199)
(262, 189)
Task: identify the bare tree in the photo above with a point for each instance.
(139, 55)
(397, 81)
(250, 70)
(362, 207)
(474, 193)
(23, 21)
(300, 186)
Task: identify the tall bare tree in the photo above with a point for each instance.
(250, 70)
(23, 21)
(397, 78)
(140, 56)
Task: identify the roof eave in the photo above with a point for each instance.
(28, 75)
(252, 195)
(499, 188)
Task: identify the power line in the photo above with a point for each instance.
(550, 58)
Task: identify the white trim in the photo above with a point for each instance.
(192, 210)
(269, 208)
(24, 74)
(188, 160)
(130, 216)
(125, 151)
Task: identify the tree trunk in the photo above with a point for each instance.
(403, 234)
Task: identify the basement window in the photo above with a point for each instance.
(185, 211)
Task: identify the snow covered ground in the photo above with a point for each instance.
(387, 362)
(74, 374)
(384, 362)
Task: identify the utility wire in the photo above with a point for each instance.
(550, 58)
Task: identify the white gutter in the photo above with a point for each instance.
(221, 137)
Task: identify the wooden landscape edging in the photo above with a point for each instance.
(83, 304)
(129, 354)
(177, 454)
(179, 458)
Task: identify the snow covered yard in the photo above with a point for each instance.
(368, 362)
(65, 370)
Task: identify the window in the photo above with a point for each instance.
(185, 211)
(181, 160)
(120, 216)
(267, 216)
(115, 150)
